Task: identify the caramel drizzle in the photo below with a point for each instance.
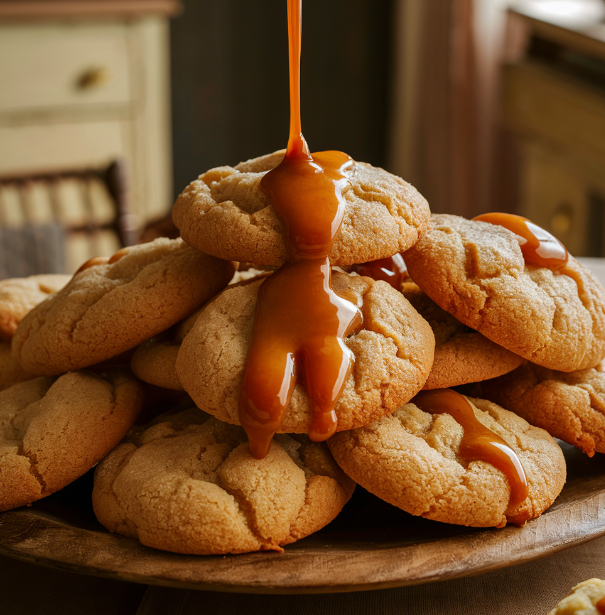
(601, 605)
(391, 270)
(300, 322)
(478, 442)
(103, 260)
(539, 247)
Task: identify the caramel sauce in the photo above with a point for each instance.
(601, 605)
(539, 247)
(391, 270)
(300, 322)
(103, 260)
(96, 260)
(118, 255)
(478, 442)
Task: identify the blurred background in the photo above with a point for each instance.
(109, 108)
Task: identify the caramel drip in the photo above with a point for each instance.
(391, 270)
(300, 322)
(539, 247)
(118, 255)
(96, 260)
(601, 605)
(478, 442)
(103, 260)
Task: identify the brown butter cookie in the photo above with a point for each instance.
(154, 361)
(411, 460)
(110, 308)
(569, 405)
(53, 430)
(393, 355)
(224, 212)
(188, 484)
(476, 272)
(19, 295)
(461, 354)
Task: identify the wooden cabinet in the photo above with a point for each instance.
(83, 87)
(554, 103)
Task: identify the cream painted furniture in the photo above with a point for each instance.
(83, 83)
(554, 103)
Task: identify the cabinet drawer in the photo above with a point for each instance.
(61, 146)
(63, 64)
(553, 107)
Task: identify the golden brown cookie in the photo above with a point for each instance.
(188, 484)
(10, 371)
(19, 295)
(461, 354)
(53, 430)
(569, 405)
(112, 307)
(412, 460)
(224, 212)
(393, 355)
(582, 600)
(476, 272)
(154, 361)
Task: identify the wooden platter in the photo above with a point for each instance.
(371, 545)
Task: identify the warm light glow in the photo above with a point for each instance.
(570, 13)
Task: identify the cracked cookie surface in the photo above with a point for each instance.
(19, 295)
(110, 308)
(393, 355)
(476, 272)
(224, 212)
(569, 405)
(187, 483)
(461, 354)
(411, 460)
(53, 430)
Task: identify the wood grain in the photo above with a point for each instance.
(371, 545)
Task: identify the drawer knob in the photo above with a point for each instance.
(93, 78)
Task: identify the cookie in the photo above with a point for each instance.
(583, 599)
(188, 484)
(461, 354)
(19, 295)
(111, 307)
(412, 460)
(225, 213)
(10, 371)
(569, 405)
(53, 430)
(476, 272)
(393, 355)
(154, 361)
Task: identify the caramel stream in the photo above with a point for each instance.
(391, 270)
(601, 605)
(300, 322)
(478, 442)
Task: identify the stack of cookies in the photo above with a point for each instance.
(138, 361)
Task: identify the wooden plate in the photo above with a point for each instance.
(370, 545)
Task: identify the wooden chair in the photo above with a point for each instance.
(51, 222)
